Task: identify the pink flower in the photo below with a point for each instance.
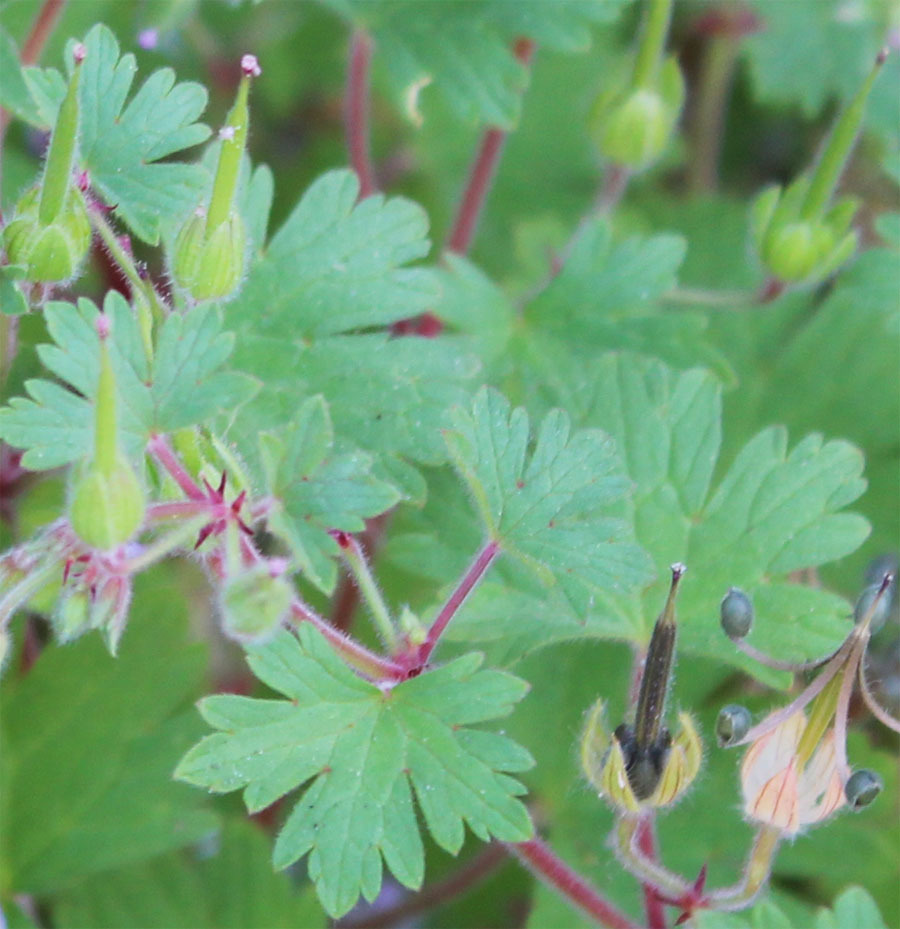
(783, 789)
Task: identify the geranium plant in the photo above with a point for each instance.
(464, 564)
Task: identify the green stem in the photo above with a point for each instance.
(650, 873)
(119, 255)
(837, 150)
(165, 545)
(362, 573)
(756, 873)
(652, 44)
(61, 154)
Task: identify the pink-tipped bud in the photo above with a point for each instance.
(102, 325)
(79, 52)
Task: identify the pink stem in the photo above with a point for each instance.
(380, 669)
(653, 906)
(481, 175)
(356, 112)
(159, 447)
(468, 581)
(177, 509)
(538, 857)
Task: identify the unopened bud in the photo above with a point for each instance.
(634, 127)
(72, 615)
(254, 603)
(862, 788)
(736, 613)
(732, 724)
(209, 266)
(416, 633)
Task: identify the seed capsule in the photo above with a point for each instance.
(862, 787)
(732, 724)
(736, 613)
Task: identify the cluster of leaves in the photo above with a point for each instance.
(626, 426)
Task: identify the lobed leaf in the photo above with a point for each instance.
(365, 749)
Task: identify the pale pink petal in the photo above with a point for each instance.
(777, 803)
(769, 755)
(820, 787)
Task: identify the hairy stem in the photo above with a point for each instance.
(647, 870)
(548, 867)
(654, 911)
(356, 112)
(467, 582)
(481, 175)
(346, 597)
(365, 582)
(159, 447)
(756, 873)
(164, 545)
(356, 655)
(25, 589)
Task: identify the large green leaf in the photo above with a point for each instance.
(367, 748)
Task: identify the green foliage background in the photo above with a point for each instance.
(93, 826)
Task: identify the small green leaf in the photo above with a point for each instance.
(367, 748)
(548, 505)
(853, 909)
(318, 490)
(184, 386)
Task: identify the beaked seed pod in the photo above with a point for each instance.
(736, 613)
(732, 725)
(50, 252)
(862, 787)
(872, 601)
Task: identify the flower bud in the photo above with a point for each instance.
(109, 610)
(862, 787)
(72, 615)
(254, 603)
(107, 502)
(732, 724)
(416, 633)
(50, 252)
(736, 613)
(634, 127)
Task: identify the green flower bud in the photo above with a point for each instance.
(634, 128)
(736, 613)
(415, 632)
(107, 502)
(72, 615)
(732, 724)
(54, 251)
(862, 788)
(209, 266)
(254, 603)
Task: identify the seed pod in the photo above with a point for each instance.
(732, 725)
(107, 502)
(862, 787)
(736, 613)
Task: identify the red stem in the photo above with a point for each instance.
(653, 906)
(538, 857)
(356, 112)
(158, 446)
(356, 655)
(473, 575)
(481, 175)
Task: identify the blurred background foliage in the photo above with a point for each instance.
(798, 62)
